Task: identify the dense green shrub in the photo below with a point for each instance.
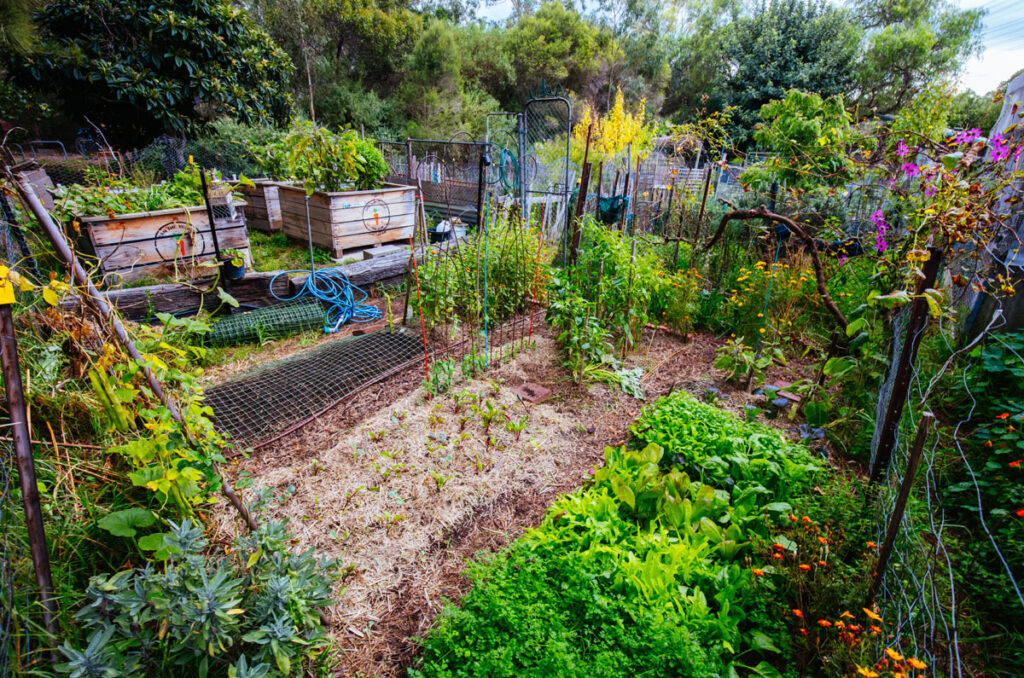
(206, 614)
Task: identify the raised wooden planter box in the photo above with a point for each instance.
(262, 208)
(348, 219)
(166, 243)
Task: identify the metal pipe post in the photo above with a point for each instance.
(23, 452)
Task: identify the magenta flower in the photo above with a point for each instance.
(842, 259)
(878, 219)
(910, 169)
(891, 183)
(930, 191)
(967, 136)
(1000, 148)
(902, 150)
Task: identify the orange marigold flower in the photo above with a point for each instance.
(806, 519)
(867, 673)
(824, 623)
(871, 614)
(792, 518)
(893, 654)
(1020, 512)
(778, 547)
(822, 540)
(803, 631)
(917, 663)
(777, 556)
(1015, 464)
(797, 613)
(847, 615)
(805, 567)
(758, 572)
(1004, 415)
(872, 545)
(875, 629)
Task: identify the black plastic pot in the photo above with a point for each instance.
(232, 272)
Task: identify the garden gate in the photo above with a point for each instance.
(545, 177)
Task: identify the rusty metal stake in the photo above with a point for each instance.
(26, 465)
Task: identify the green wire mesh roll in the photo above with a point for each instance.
(273, 322)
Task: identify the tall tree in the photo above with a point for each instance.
(557, 46)
(146, 68)
(908, 44)
(783, 45)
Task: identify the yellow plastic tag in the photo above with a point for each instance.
(6, 287)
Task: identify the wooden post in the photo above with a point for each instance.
(23, 452)
(904, 368)
(597, 202)
(408, 162)
(625, 193)
(581, 201)
(892, 531)
(629, 294)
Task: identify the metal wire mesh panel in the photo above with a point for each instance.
(546, 177)
(271, 400)
(273, 322)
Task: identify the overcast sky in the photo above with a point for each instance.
(1003, 39)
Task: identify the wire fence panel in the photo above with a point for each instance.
(276, 398)
(547, 176)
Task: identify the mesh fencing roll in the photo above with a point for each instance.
(263, 324)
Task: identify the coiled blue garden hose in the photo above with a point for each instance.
(332, 287)
(344, 300)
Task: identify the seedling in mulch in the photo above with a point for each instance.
(376, 435)
(440, 480)
(350, 495)
(388, 521)
(490, 441)
(461, 399)
(392, 454)
(517, 426)
(462, 423)
(399, 417)
(461, 439)
(339, 536)
(314, 466)
(434, 421)
(397, 497)
(495, 385)
(488, 414)
(396, 470)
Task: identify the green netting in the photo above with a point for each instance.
(610, 209)
(272, 322)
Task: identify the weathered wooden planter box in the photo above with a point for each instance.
(349, 219)
(166, 243)
(262, 206)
